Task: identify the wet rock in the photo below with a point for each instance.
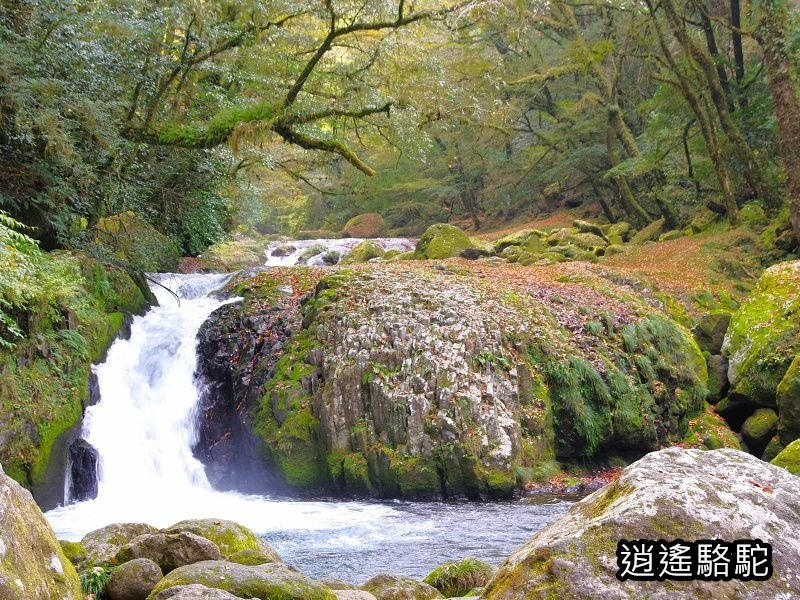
(32, 563)
(393, 587)
(264, 582)
(83, 461)
(231, 538)
(671, 494)
(194, 591)
(133, 580)
(169, 550)
(283, 250)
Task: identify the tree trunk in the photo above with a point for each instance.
(632, 206)
(772, 38)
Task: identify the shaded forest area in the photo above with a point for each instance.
(283, 116)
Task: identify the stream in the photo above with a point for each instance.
(143, 428)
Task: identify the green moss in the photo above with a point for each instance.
(443, 241)
(363, 252)
(74, 551)
(458, 578)
(710, 431)
(788, 400)
(416, 476)
(236, 543)
(789, 458)
(500, 483)
(760, 426)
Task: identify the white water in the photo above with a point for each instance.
(143, 429)
(341, 246)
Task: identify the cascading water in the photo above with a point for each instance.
(313, 252)
(143, 429)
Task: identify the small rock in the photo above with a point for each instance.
(170, 551)
(133, 580)
(393, 587)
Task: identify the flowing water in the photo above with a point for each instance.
(313, 252)
(143, 429)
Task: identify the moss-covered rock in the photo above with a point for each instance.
(649, 233)
(717, 377)
(194, 591)
(773, 449)
(753, 215)
(581, 241)
(759, 428)
(169, 550)
(445, 241)
(458, 578)
(266, 582)
(621, 231)
(667, 495)
(788, 401)
(708, 430)
(710, 330)
(363, 252)
(789, 458)
(764, 336)
(367, 225)
(101, 545)
(518, 239)
(231, 538)
(393, 587)
(133, 580)
(129, 238)
(703, 218)
(32, 564)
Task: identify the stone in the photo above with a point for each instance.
(367, 225)
(759, 428)
(32, 563)
(283, 250)
(354, 595)
(649, 233)
(587, 227)
(671, 494)
(103, 544)
(764, 336)
(773, 449)
(717, 377)
(789, 458)
(458, 578)
(444, 241)
(265, 582)
(169, 550)
(231, 538)
(363, 252)
(582, 241)
(703, 218)
(83, 464)
(133, 580)
(670, 235)
(614, 249)
(194, 591)
(622, 230)
(787, 398)
(710, 330)
(393, 587)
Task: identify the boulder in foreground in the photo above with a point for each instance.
(675, 493)
(32, 563)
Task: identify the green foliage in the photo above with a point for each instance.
(94, 580)
(458, 578)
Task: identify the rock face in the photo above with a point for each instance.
(32, 563)
(133, 580)
(265, 582)
(674, 493)
(83, 461)
(418, 381)
(789, 458)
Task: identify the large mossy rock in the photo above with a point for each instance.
(393, 587)
(231, 538)
(764, 336)
(367, 225)
(710, 330)
(445, 241)
(129, 238)
(668, 495)
(422, 381)
(649, 233)
(789, 458)
(194, 591)
(458, 578)
(265, 582)
(759, 428)
(363, 252)
(32, 563)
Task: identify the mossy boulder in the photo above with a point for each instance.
(367, 225)
(717, 377)
(670, 235)
(363, 252)
(759, 428)
(32, 563)
(517, 239)
(588, 227)
(133, 580)
(445, 241)
(100, 546)
(231, 538)
(194, 591)
(789, 458)
(458, 578)
(710, 431)
(129, 238)
(582, 241)
(649, 233)
(710, 330)
(393, 587)
(788, 402)
(773, 449)
(703, 218)
(753, 215)
(764, 336)
(667, 495)
(266, 582)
